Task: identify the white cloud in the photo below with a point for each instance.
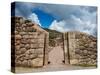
(86, 26)
(74, 24)
(59, 26)
(80, 18)
(34, 18)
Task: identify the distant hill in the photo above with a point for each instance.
(53, 35)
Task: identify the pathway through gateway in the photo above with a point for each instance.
(56, 57)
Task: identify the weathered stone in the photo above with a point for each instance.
(23, 41)
(38, 62)
(16, 32)
(33, 56)
(25, 36)
(25, 63)
(17, 24)
(29, 63)
(27, 46)
(18, 37)
(40, 45)
(17, 42)
(85, 51)
(34, 40)
(41, 36)
(39, 51)
(23, 50)
(18, 52)
(23, 29)
(32, 51)
(84, 47)
(41, 40)
(23, 25)
(26, 56)
(34, 45)
(22, 33)
(40, 55)
(17, 47)
(22, 45)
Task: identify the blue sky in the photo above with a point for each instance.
(60, 17)
(45, 18)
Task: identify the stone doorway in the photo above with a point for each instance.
(56, 56)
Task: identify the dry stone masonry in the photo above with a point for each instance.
(80, 48)
(31, 43)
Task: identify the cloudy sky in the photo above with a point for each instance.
(59, 17)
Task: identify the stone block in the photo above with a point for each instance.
(25, 63)
(34, 40)
(18, 36)
(27, 46)
(38, 62)
(23, 50)
(33, 56)
(25, 36)
(23, 33)
(33, 46)
(39, 51)
(17, 47)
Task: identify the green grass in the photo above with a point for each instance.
(85, 65)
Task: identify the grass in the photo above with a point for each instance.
(85, 65)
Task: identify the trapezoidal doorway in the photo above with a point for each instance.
(56, 54)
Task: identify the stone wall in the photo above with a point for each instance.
(80, 48)
(29, 43)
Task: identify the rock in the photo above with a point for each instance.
(25, 36)
(29, 63)
(41, 36)
(18, 63)
(17, 47)
(33, 56)
(30, 24)
(32, 51)
(23, 29)
(41, 41)
(39, 51)
(17, 52)
(40, 55)
(27, 46)
(34, 45)
(18, 37)
(23, 25)
(23, 50)
(38, 62)
(25, 63)
(17, 24)
(34, 40)
(23, 41)
(16, 32)
(26, 56)
(40, 45)
(22, 45)
(17, 42)
(85, 51)
(22, 33)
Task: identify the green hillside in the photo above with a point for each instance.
(53, 34)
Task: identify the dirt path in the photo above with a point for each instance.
(56, 56)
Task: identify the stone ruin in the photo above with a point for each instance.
(30, 45)
(80, 48)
